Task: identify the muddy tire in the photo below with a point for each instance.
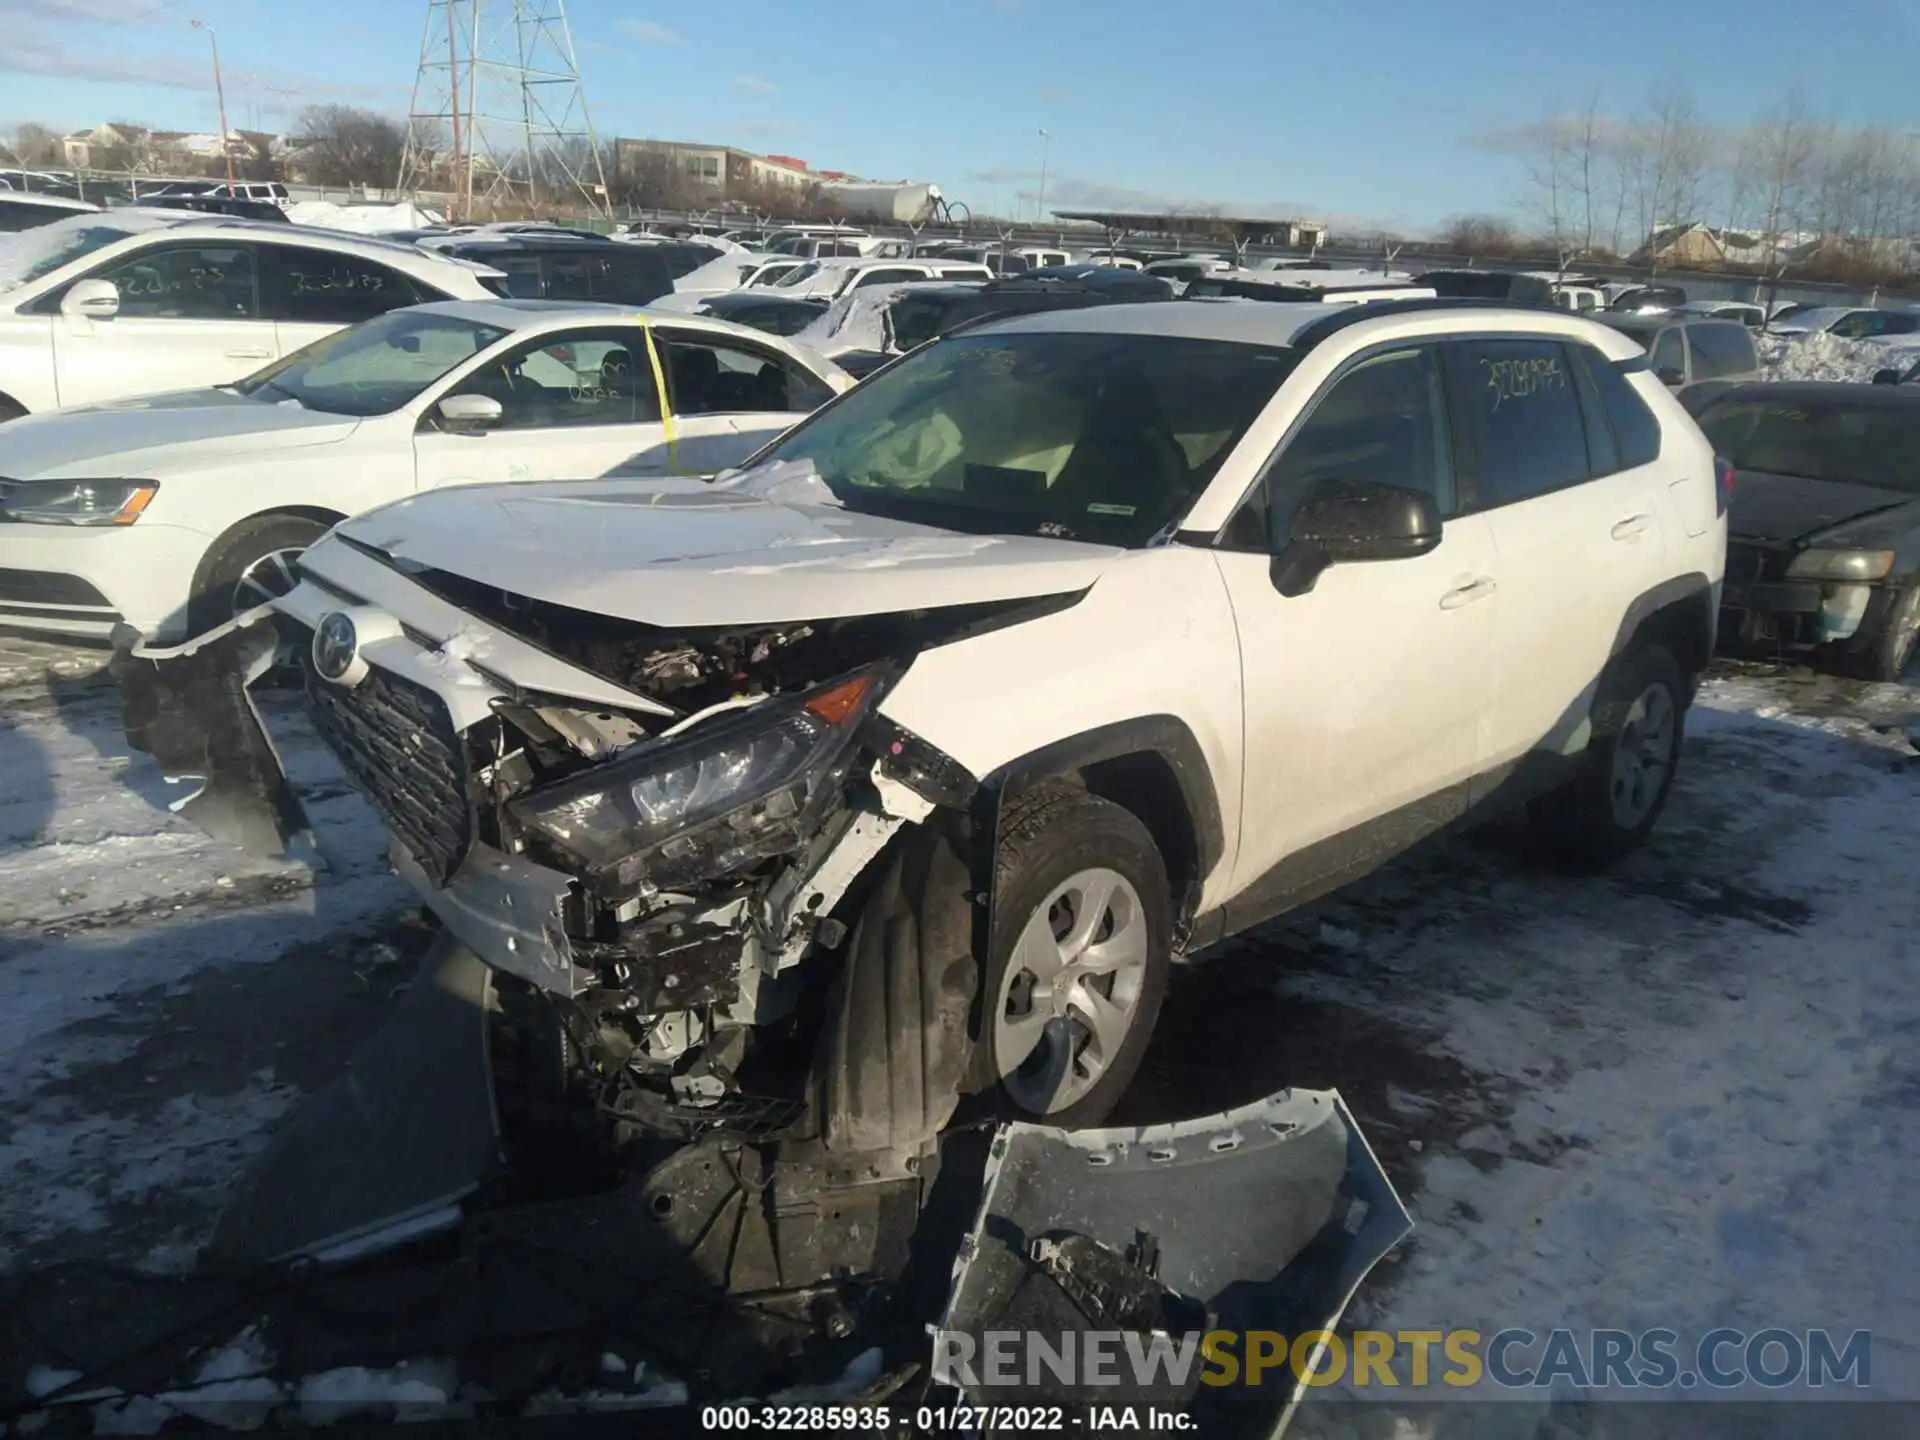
(1626, 775)
(1893, 650)
(1082, 938)
(248, 565)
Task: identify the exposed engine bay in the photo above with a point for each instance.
(673, 881)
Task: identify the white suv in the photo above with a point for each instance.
(1064, 645)
(129, 302)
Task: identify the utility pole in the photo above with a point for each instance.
(226, 147)
(1040, 201)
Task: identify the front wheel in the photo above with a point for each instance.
(249, 565)
(1082, 940)
(1893, 651)
(1608, 810)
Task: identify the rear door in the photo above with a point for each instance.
(190, 315)
(1576, 527)
(730, 397)
(309, 293)
(575, 404)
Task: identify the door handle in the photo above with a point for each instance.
(249, 354)
(1632, 528)
(1478, 588)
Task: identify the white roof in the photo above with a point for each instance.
(1319, 279)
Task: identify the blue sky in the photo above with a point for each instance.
(1379, 111)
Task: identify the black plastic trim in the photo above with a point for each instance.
(1347, 316)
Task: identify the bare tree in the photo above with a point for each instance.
(1780, 156)
(34, 146)
(341, 145)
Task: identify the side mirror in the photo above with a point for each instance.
(1671, 378)
(1348, 522)
(1886, 377)
(470, 414)
(91, 300)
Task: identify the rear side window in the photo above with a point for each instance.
(324, 287)
(1635, 432)
(1722, 351)
(1523, 418)
(1668, 356)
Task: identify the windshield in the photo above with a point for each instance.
(1836, 440)
(373, 368)
(27, 256)
(1083, 436)
(797, 274)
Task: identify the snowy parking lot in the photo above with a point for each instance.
(1680, 1095)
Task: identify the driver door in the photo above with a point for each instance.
(1364, 695)
(575, 405)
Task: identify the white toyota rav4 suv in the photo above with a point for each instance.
(1063, 645)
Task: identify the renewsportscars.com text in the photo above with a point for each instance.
(1510, 1359)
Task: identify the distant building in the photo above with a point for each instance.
(724, 170)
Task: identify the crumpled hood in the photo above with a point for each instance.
(147, 437)
(1780, 508)
(694, 554)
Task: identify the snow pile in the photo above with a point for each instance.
(1827, 357)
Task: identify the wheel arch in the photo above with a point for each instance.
(1151, 766)
(319, 514)
(1682, 614)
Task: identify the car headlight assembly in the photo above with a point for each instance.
(1841, 565)
(726, 794)
(76, 502)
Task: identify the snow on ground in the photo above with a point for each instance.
(1676, 1095)
(1826, 357)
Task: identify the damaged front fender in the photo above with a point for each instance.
(191, 708)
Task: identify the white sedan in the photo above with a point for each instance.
(169, 513)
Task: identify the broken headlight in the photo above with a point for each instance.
(721, 796)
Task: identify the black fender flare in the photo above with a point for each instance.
(1668, 592)
(1166, 736)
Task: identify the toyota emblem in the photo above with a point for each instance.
(335, 645)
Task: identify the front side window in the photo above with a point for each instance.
(1074, 434)
(887, 275)
(187, 282)
(323, 287)
(1523, 411)
(706, 377)
(375, 368)
(570, 380)
(1383, 423)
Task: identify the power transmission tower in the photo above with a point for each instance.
(499, 113)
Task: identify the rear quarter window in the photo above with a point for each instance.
(1636, 432)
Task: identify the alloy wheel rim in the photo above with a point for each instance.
(1642, 756)
(1071, 992)
(267, 578)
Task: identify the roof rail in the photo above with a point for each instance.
(1314, 332)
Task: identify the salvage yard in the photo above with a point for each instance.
(1680, 1095)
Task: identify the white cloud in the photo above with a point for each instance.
(646, 32)
(30, 53)
(759, 84)
(97, 12)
